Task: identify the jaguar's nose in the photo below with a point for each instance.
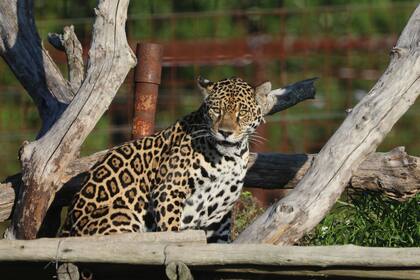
(225, 133)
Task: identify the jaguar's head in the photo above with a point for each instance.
(232, 108)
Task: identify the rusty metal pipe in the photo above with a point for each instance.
(146, 84)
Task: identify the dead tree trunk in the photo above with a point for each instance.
(68, 116)
(359, 135)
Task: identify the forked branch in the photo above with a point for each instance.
(44, 161)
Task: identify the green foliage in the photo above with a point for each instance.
(370, 220)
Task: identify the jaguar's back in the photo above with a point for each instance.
(186, 176)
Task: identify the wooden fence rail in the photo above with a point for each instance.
(167, 249)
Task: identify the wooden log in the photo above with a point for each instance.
(303, 208)
(147, 247)
(68, 271)
(134, 251)
(321, 256)
(345, 260)
(395, 174)
(187, 237)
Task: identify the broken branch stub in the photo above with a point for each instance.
(45, 160)
(289, 219)
(283, 98)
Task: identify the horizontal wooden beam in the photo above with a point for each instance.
(345, 260)
(133, 250)
(395, 173)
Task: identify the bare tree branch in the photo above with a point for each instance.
(44, 161)
(283, 98)
(69, 43)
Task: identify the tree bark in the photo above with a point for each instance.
(44, 160)
(69, 43)
(288, 220)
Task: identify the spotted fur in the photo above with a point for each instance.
(187, 176)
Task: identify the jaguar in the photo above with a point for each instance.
(187, 176)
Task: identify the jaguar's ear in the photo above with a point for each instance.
(204, 85)
(261, 93)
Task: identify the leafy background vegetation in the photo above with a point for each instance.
(365, 219)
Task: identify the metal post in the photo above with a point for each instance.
(146, 84)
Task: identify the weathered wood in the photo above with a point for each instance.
(7, 198)
(283, 98)
(68, 271)
(187, 237)
(289, 219)
(395, 174)
(399, 178)
(178, 271)
(44, 161)
(147, 248)
(322, 256)
(69, 43)
(346, 260)
(135, 252)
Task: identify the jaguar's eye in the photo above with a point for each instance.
(242, 113)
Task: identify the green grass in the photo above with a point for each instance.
(369, 219)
